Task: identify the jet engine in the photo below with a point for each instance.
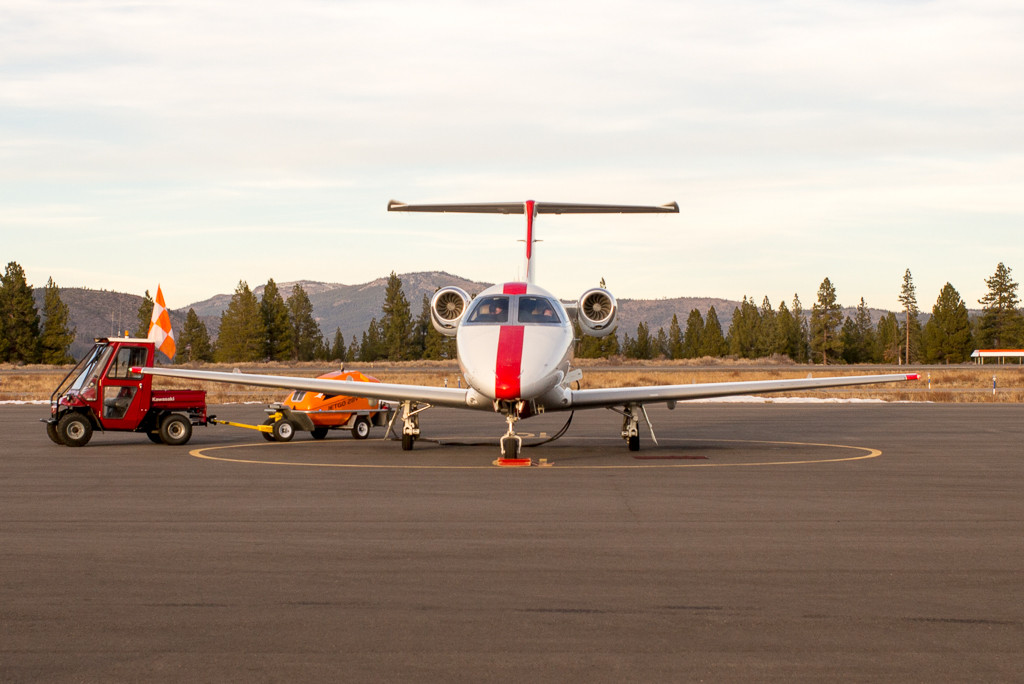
(447, 307)
(596, 312)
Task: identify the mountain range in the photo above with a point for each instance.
(351, 308)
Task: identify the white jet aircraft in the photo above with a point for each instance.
(515, 342)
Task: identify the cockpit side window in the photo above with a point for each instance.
(491, 309)
(537, 310)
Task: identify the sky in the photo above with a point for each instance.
(197, 144)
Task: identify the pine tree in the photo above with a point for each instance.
(353, 350)
(338, 349)
(194, 341)
(660, 346)
(1001, 322)
(946, 337)
(242, 335)
(859, 336)
(742, 336)
(55, 338)
(826, 320)
(145, 316)
(693, 335)
(643, 346)
(911, 321)
(306, 335)
(768, 340)
(798, 335)
(372, 346)
(19, 318)
(675, 339)
(278, 343)
(396, 322)
(890, 346)
(712, 341)
(421, 328)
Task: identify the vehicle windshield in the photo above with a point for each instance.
(95, 363)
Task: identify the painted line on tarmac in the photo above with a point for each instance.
(868, 453)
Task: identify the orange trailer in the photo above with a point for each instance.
(318, 413)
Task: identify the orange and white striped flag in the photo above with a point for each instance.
(160, 326)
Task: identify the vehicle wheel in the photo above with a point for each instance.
(154, 437)
(269, 436)
(319, 433)
(361, 428)
(175, 429)
(284, 430)
(510, 447)
(51, 432)
(407, 441)
(74, 430)
(634, 443)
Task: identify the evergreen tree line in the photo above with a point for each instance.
(25, 337)
(825, 336)
(276, 328)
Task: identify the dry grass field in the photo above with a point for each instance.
(966, 383)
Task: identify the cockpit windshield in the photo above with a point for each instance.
(537, 310)
(493, 309)
(522, 309)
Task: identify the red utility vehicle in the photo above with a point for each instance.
(102, 393)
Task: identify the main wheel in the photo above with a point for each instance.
(284, 430)
(175, 429)
(407, 442)
(361, 427)
(51, 432)
(74, 430)
(319, 432)
(634, 443)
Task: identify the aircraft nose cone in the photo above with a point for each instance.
(513, 362)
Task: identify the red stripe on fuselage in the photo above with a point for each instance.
(513, 288)
(508, 365)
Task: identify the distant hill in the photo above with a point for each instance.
(350, 308)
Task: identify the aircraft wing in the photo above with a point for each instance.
(619, 396)
(437, 396)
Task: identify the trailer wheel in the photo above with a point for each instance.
(74, 430)
(361, 428)
(284, 430)
(319, 433)
(269, 436)
(175, 429)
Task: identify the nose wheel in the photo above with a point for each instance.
(512, 445)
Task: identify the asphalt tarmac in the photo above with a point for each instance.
(775, 542)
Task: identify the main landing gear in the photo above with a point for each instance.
(631, 425)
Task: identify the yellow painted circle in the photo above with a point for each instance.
(866, 453)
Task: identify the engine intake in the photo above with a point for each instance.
(447, 307)
(596, 312)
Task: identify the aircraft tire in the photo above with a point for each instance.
(74, 430)
(407, 442)
(284, 430)
(634, 443)
(509, 447)
(361, 427)
(175, 429)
